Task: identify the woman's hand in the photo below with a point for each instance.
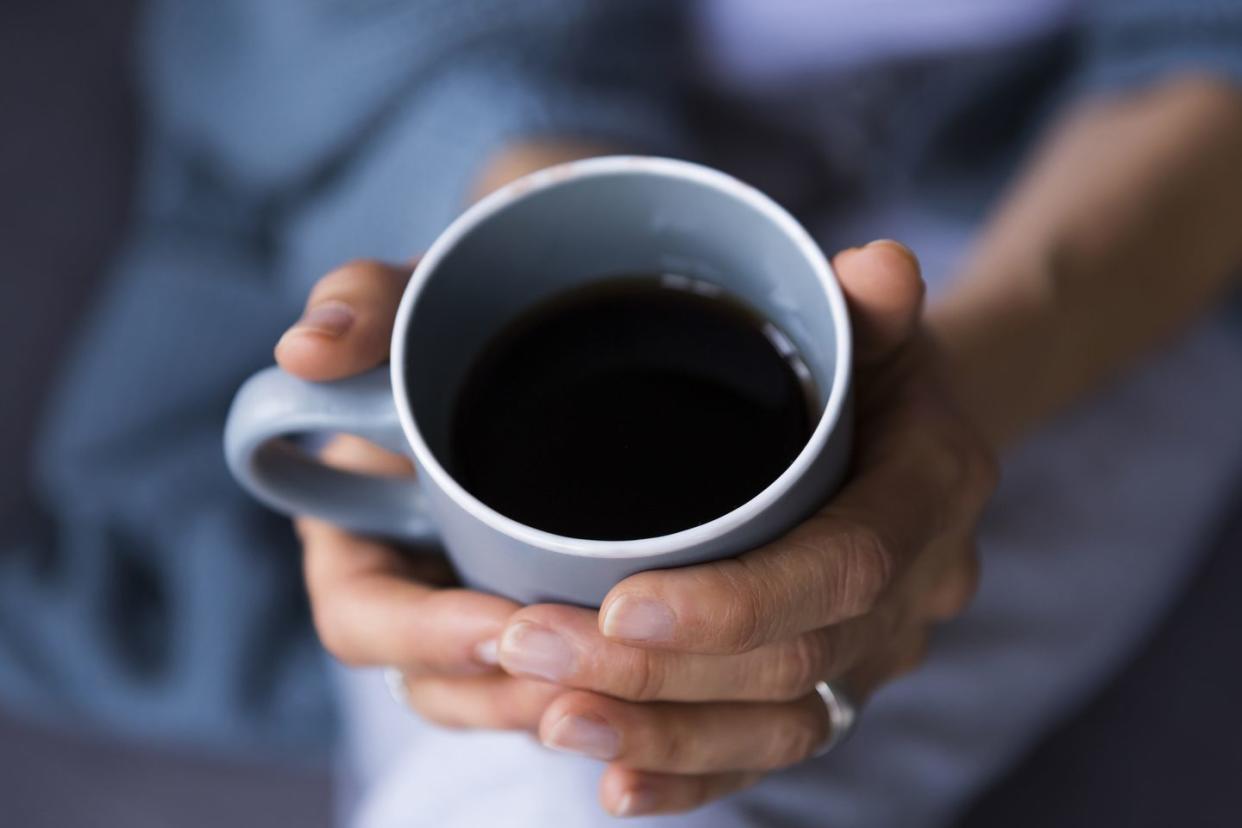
(375, 605)
(691, 682)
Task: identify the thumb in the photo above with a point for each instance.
(883, 285)
(347, 324)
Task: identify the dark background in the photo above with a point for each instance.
(1161, 746)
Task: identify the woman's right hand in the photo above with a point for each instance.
(374, 604)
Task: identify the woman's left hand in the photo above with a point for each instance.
(692, 683)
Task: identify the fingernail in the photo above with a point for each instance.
(331, 318)
(586, 736)
(488, 652)
(899, 247)
(638, 619)
(636, 802)
(536, 651)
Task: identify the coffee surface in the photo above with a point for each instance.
(630, 408)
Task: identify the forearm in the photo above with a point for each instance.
(1124, 228)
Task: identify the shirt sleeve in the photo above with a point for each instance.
(280, 139)
(612, 72)
(1134, 43)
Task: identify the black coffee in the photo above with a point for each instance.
(630, 408)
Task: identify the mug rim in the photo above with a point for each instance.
(550, 177)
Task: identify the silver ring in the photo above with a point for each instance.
(397, 688)
(842, 713)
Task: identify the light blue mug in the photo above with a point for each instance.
(545, 233)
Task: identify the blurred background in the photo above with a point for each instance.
(1162, 740)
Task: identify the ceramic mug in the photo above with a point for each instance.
(553, 230)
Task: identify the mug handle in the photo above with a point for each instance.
(273, 407)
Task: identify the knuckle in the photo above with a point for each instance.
(934, 440)
(644, 677)
(799, 664)
(673, 744)
(569, 703)
(958, 588)
(956, 458)
(791, 739)
(867, 568)
(745, 610)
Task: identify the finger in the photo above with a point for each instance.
(347, 324)
(495, 702)
(835, 566)
(904, 655)
(954, 586)
(625, 792)
(686, 738)
(563, 644)
(884, 287)
(368, 610)
(345, 451)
